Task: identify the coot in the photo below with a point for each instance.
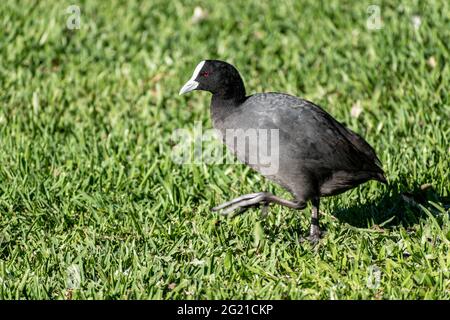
(316, 155)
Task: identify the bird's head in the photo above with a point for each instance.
(218, 77)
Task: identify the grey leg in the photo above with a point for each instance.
(255, 199)
(314, 234)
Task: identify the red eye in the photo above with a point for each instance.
(204, 74)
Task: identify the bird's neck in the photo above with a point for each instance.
(221, 108)
(226, 103)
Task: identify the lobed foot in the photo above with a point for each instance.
(255, 199)
(314, 238)
(243, 203)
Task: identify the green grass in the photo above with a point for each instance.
(92, 205)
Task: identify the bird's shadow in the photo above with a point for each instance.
(397, 206)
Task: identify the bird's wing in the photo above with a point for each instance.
(318, 137)
(352, 137)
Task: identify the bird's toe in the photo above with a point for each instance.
(314, 238)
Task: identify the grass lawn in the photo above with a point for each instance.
(92, 205)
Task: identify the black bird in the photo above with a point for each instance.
(318, 156)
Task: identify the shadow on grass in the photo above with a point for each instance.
(396, 208)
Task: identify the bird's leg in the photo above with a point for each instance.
(255, 199)
(315, 233)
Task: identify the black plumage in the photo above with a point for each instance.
(318, 156)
